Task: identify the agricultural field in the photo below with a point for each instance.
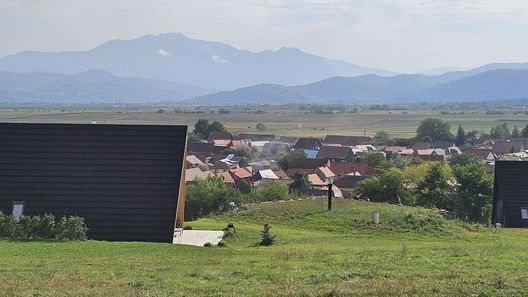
(286, 122)
(412, 251)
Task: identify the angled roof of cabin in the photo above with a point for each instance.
(123, 179)
(510, 193)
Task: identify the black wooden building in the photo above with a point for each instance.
(125, 180)
(510, 198)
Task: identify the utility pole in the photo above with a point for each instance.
(330, 192)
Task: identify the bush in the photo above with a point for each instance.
(208, 244)
(274, 191)
(45, 227)
(8, 227)
(208, 196)
(71, 228)
(222, 244)
(267, 238)
(229, 233)
(187, 228)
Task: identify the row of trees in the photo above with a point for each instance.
(503, 132)
(463, 187)
(433, 129)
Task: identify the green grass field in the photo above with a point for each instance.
(412, 252)
(279, 122)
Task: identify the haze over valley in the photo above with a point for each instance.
(174, 68)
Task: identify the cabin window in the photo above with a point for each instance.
(18, 209)
(524, 213)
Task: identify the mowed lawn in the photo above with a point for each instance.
(279, 122)
(412, 252)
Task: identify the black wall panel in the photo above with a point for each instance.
(510, 193)
(123, 179)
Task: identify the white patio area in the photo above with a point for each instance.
(198, 237)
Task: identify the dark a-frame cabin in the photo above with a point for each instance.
(510, 194)
(127, 181)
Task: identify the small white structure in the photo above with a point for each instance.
(198, 237)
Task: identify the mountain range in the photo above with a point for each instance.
(175, 57)
(172, 67)
(499, 84)
(92, 86)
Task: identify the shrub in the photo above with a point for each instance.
(274, 191)
(208, 244)
(29, 226)
(208, 196)
(45, 227)
(71, 228)
(267, 238)
(222, 244)
(229, 233)
(8, 227)
(187, 228)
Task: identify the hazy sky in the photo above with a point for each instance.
(400, 35)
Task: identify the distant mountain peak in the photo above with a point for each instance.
(176, 57)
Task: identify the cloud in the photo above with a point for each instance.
(163, 53)
(217, 59)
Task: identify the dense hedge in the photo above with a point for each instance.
(43, 227)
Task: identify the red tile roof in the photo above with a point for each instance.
(215, 135)
(335, 152)
(342, 169)
(240, 173)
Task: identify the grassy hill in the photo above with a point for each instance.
(412, 252)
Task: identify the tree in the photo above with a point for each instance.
(273, 190)
(436, 188)
(300, 181)
(207, 196)
(200, 128)
(474, 193)
(461, 136)
(388, 187)
(377, 160)
(464, 160)
(244, 186)
(260, 127)
(381, 138)
(434, 128)
(471, 136)
(501, 131)
(515, 132)
(285, 158)
(215, 126)
(267, 238)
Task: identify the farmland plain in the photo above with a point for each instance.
(278, 121)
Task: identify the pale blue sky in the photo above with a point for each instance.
(399, 35)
